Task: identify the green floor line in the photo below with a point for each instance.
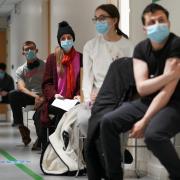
(21, 166)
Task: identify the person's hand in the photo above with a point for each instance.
(138, 129)
(58, 96)
(88, 104)
(38, 101)
(78, 98)
(172, 68)
(3, 93)
(93, 95)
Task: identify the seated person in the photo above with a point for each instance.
(6, 84)
(97, 59)
(29, 79)
(108, 45)
(156, 114)
(62, 76)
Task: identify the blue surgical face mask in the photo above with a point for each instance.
(102, 27)
(158, 32)
(30, 55)
(2, 74)
(67, 45)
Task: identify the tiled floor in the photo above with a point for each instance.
(12, 147)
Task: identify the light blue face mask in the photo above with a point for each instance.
(67, 45)
(102, 27)
(2, 74)
(158, 32)
(30, 55)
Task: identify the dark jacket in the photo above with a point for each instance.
(6, 84)
(118, 86)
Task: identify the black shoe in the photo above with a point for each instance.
(36, 146)
(128, 159)
(25, 134)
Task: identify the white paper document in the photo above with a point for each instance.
(65, 104)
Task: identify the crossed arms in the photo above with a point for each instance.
(165, 84)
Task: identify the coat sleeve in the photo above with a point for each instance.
(49, 83)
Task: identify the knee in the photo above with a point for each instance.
(151, 138)
(105, 123)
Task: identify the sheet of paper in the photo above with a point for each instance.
(65, 104)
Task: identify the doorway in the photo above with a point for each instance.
(3, 51)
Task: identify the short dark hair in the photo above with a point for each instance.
(3, 66)
(153, 7)
(27, 43)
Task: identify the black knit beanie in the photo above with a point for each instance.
(64, 28)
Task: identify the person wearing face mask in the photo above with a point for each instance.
(156, 114)
(62, 75)
(109, 44)
(29, 92)
(6, 84)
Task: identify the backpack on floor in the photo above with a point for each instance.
(63, 155)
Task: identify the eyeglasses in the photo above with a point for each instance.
(100, 18)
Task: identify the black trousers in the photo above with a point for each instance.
(17, 100)
(163, 126)
(42, 131)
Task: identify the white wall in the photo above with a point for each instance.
(3, 22)
(79, 14)
(173, 7)
(135, 25)
(30, 23)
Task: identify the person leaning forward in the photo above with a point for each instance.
(29, 79)
(156, 114)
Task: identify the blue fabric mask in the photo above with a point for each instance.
(30, 55)
(102, 27)
(2, 74)
(158, 32)
(67, 45)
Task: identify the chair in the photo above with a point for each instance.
(26, 110)
(123, 139)
(136, 146)
(81, 146)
